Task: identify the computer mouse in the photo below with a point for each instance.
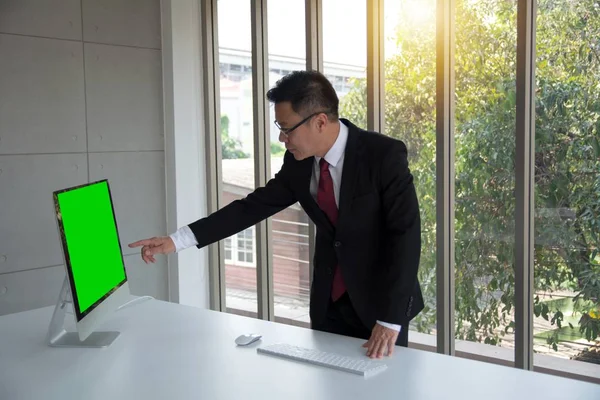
(245, 340)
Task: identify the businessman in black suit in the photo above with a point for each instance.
(357, 188)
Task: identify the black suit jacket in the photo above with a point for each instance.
(377, 240)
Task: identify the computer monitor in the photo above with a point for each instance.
(96, 280)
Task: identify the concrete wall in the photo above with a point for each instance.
(80, 100)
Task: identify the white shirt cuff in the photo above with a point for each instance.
(397, 328)
(183, 238)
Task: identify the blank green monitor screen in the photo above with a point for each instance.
(91, 245)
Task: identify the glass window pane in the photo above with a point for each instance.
(237, 135)
(567, 182)
(485, 120)
(287, 52)
(228, 249)
(410, 79)
(345, 55)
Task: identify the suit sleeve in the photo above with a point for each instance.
(403, 238)
(264, 202)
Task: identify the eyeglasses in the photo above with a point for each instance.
(287, 131)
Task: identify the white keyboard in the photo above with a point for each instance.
(357, 366)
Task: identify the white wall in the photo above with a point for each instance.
(185, 145)
(80, 100)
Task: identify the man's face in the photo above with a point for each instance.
(304, 139)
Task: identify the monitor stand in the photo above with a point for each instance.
(59, 337)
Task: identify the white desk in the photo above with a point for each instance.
(170, 351)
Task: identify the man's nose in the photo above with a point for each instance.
(283, 137)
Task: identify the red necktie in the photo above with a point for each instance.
(326, 201)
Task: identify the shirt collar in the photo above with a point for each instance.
(335, 153)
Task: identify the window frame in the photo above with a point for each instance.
(235, 249)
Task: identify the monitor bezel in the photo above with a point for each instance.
(67, 260)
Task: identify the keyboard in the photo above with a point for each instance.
(357, 366)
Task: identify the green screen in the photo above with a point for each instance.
(92, 242)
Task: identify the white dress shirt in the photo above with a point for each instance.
(185, 238)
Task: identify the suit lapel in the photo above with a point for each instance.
(349, 172)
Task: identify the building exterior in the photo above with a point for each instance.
(290, 238)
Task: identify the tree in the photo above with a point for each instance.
(567, 154)
(277, 149)
(230, 147)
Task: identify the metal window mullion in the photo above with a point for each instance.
(314, 61)
(212, 127)
(262, 153)
(445, 156)
(375, 66)
(524, 184)
(314, 35)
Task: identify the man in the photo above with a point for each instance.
(356, 187)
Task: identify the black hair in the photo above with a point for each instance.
(308, 92)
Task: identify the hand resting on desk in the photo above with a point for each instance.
(382, 342)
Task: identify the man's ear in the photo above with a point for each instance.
(322, 120)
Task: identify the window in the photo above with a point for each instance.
(567, 161)
(289, 227)
(240, 248)
(345, 55)
(237, 147)
(410, 109)
(567, 181)
(485, 120)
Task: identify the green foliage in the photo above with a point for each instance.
(277, 149)
(567, 158)
(230, 147)
(354, 105)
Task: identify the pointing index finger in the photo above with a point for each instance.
(139, 243)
